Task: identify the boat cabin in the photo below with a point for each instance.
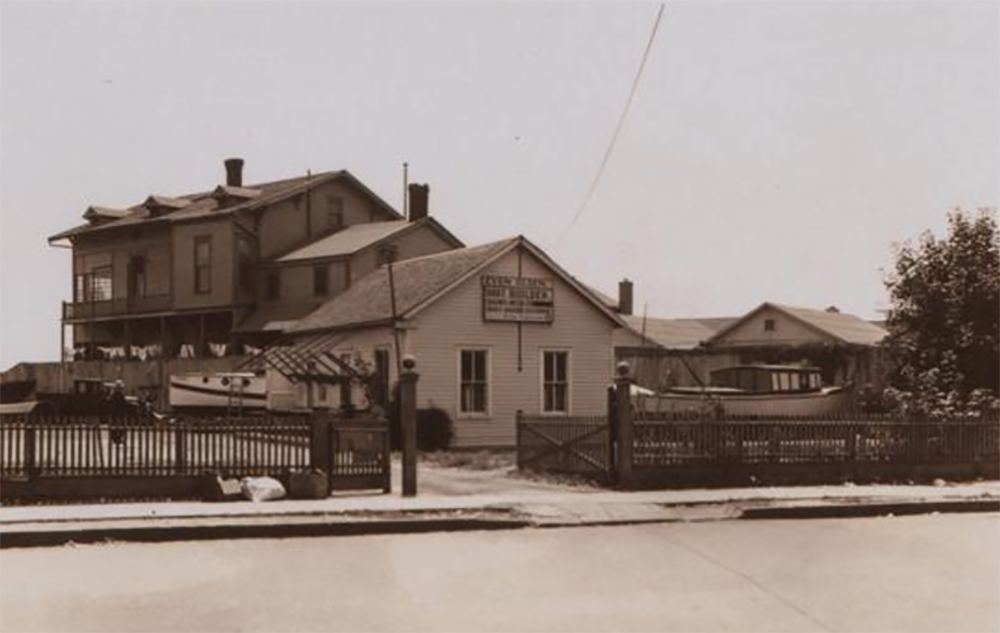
(768, 378)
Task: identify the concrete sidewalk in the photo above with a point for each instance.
(23, 526)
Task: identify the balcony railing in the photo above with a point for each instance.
(116, 307)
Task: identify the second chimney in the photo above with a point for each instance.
(625, 297)
(418, 201)
(234, 172)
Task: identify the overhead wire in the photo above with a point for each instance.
(621, 123)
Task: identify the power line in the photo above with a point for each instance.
(621, 123)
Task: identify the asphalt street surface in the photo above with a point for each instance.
(925, 573)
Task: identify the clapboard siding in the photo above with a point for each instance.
(455, 322)
(418, 242)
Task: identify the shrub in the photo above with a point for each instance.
(434, 429)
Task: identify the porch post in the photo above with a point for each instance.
(161, 365)
(623, 418)
(408, 422)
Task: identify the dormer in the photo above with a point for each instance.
(229, 195)
(102, 215)
(162, 205)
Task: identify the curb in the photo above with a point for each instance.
(906, 508)
(161, 534)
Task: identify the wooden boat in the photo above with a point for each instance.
(754, 390)
(223, 390)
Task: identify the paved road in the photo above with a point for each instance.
(929, 573)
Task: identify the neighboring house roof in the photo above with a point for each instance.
(844, 328)
(274, 317)
(359, 237)
(204, 204)
(418, 283)
(676, 333)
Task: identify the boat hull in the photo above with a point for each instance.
(826, 402)
(217, 391)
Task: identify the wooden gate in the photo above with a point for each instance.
(360, 456)
(571, 445)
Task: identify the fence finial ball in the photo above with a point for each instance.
(622, 368)
(409, 362)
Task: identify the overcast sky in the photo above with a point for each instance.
(774, 151)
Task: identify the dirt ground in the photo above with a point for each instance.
(462, 473)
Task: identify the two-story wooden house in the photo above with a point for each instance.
(200, 275)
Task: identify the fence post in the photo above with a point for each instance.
(623, 419)
(180, 446)
(518, 450)
(319, 442)
(408, 423)
(30, 448)
(612, 436)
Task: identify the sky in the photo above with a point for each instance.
(774, 151)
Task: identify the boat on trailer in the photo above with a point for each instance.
(754, 390)
(218, 391)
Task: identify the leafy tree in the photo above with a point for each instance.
(944, 319)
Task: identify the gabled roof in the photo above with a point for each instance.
(418, 283)
(359, 237)
(676, 333)
(844, 328)
(203, 204)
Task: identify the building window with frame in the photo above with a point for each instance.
(474, 381)
(272, 285)
(334, 213)
(321, 280)
(203, 264)
(99, 286)
(769, 325)
(136, 277)
(80, 288)
(555, 382)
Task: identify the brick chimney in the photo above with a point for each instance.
(625, 297)
(418, 201)
(234, 172)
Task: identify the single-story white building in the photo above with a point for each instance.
(495, 329)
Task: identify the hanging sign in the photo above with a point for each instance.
(518, 299)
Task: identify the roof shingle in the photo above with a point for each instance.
(415, 281)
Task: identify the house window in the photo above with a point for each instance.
(80, 288)
(137, 276)
(321, 280)
(203, 264)
(334, 213)
(769, 325)
(555, 382)
(273, 284)
(474, 381)
(244, 265)
(99, 286)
